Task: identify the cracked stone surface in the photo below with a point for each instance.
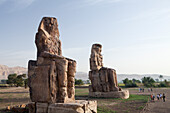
(51, 76)
(103, 79)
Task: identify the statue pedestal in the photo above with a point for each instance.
(79, 106)
(124, 94)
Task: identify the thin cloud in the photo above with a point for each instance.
(24, 2)
(151, 15)
(15, 54)
(16, 4)
(75, 50)
(13, 58)
(138, 47)
(94, 2)
(153, 38)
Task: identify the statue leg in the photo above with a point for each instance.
(71, 79)
(62, 65)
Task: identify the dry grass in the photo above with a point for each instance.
(13, 96)
(17, 96)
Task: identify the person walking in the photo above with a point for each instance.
(153, 97)
(158, 96)
(148, 89)
(163, 97)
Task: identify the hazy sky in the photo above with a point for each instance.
(135, 34)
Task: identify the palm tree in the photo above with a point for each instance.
(148, 81)
(161, 77)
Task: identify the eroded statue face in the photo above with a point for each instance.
(47, 38)
(97, 48)
(50, 24)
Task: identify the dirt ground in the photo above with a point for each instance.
(17, 96)
(158, 106)
(134, 104)
(13, 96)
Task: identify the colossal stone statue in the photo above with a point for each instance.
(53, 72)
(103, 80)
(51, 77)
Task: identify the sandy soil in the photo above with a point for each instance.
(13, 96)
(158, 106)
(17, 96)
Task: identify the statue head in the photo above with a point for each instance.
(50, 25)
(96, 59)
(47, 37)
(96, 48)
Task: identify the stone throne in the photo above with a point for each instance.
(51, 76)
(103, 79)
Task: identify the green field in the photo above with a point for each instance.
(81, 91)
(135, 103)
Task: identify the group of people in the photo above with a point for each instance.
(159, 97)
(150, 90)
(142, 90)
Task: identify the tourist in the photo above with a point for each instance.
(143, 89)
(151, 90)
(158, 96)
(153, 97)
(163, 97)
(139, 89)
(148, 89)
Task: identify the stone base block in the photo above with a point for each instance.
(79, 106)
(124, 94)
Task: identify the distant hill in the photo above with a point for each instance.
(120, 77)
(5, 71)
(81, 75)
(140, 76)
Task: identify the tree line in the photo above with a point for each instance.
(147, 82)
(21, 80)
(17, 80)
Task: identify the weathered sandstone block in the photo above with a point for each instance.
(124, 94)
(51, 76)
(79, 106)
(103, 80)
(96, 59)
(47, 38)
(41, 107)
(31, 107)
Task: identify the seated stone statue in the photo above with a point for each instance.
(51, 76)
(103, 79)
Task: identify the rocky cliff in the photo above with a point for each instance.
(5, 71)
